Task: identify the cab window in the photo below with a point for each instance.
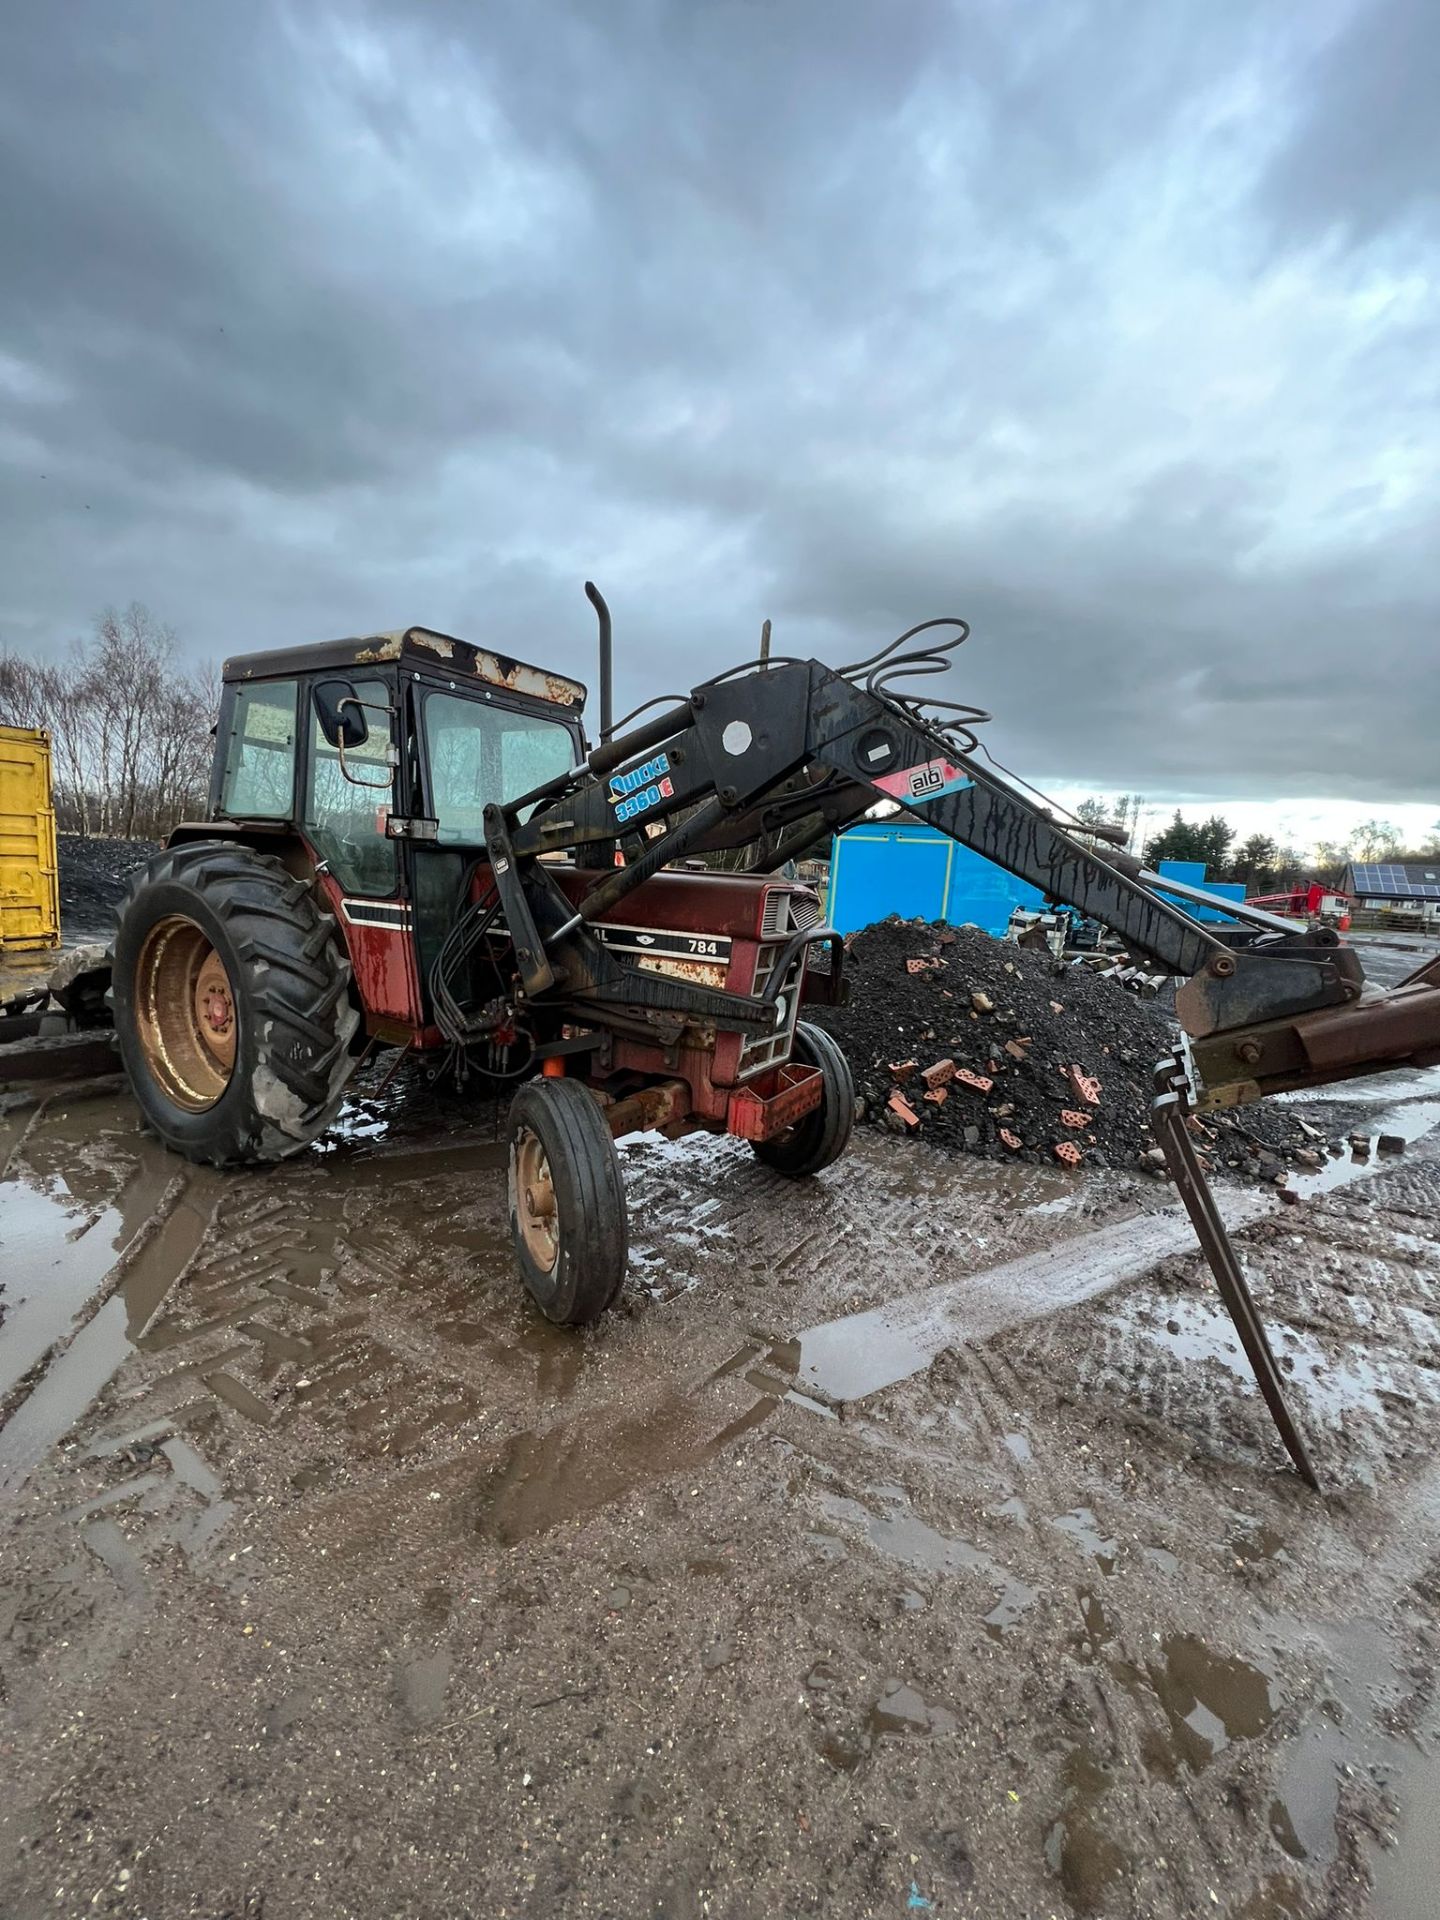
(259, 781)
(481, 753)
(346, 822)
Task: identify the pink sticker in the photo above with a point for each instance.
(924, 782)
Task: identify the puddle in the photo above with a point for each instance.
(900, 1535)
(1375, 1090)
(1078, 1849)
(1199, 1329)
(1210, 1699)
(1084, 1529)
(569, 1471)
(1409, 1121)
(1302, 1814)
(1346, 1730)
(1407, 1876)
(1253, 1542)
(900, 1709)
(847, 1359)
(118, 1557)
(862, 1353)
(81, 1371)
(61, 1233)
(1097, 1622)
(420, 1685)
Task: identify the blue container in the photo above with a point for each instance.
(882, 867)
(1191, 873)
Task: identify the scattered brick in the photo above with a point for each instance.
(1085, 1085)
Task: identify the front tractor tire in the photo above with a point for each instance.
(230, 992)
(822, 1136)
(567, 1201)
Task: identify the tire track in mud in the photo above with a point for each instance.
(343, 1321)
(310, 1327)
(891, 1223)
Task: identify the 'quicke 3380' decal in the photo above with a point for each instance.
(641, 788)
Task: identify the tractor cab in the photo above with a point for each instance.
(379, 756)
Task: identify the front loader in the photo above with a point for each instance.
(413, 844)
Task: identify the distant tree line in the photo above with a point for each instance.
(130, 726)
(1260, 862)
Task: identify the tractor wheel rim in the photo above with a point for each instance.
(185, 1014)
(535, 1209)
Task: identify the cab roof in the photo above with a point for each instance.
(417, 647)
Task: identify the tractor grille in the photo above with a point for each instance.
(767, 1050)
(788, 913)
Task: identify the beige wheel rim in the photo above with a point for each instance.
(185, 1014)
(535, 1202)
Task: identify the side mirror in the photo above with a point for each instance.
(341, 716)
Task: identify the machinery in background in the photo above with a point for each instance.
(29, 871)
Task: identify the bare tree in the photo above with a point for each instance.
(130, 727)
(1374, 840)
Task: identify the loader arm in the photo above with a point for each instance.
(762, 760)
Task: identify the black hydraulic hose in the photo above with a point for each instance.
(925, 626)
(614, 752)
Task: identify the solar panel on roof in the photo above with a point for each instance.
(1393, 879)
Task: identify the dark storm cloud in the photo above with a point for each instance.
(1080, 321)
(1364, 154)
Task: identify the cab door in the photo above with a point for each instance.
(345, 803)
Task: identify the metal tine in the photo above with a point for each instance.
(1169, 1111)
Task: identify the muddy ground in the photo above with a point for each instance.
(912, 1540)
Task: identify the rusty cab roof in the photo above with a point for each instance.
(416, 647)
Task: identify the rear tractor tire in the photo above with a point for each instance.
(822, 1136)
(567, 1201)
(230, 993)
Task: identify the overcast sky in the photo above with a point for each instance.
(1112, 327)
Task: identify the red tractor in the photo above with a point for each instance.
(413, 844)
(335, 899)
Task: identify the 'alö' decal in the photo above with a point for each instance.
(925, 782)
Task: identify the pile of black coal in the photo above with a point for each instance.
(95, 876)
(975, 1045)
